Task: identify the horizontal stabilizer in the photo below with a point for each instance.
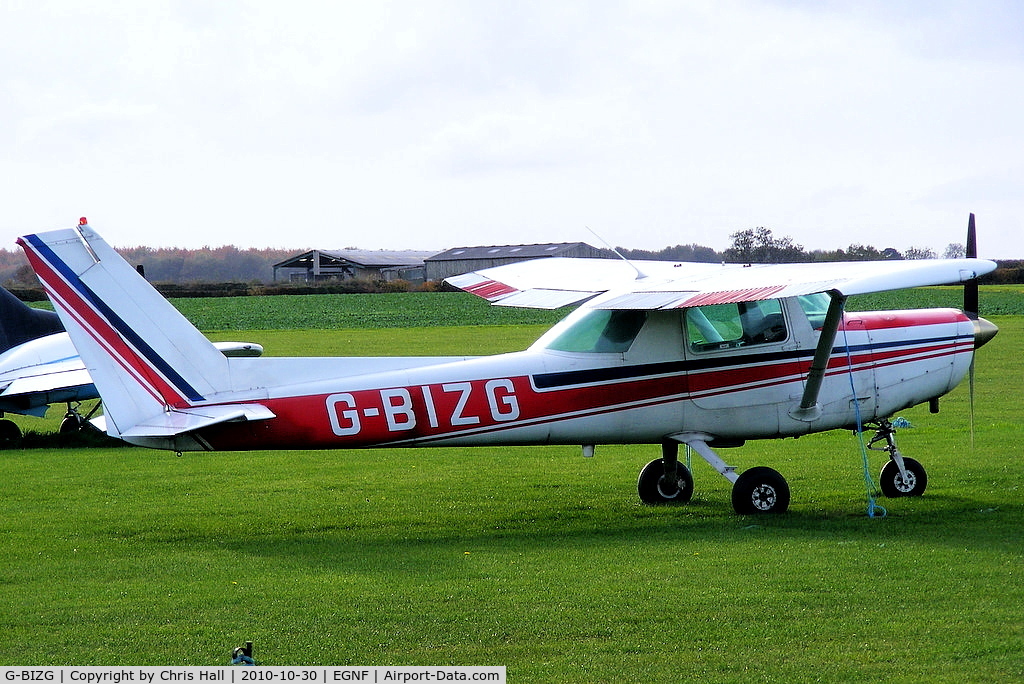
(180, 421)
(50, 382)
(247, 350)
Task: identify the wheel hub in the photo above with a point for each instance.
(764, 497)
(668, 488)
(905, 484)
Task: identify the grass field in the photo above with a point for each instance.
(533, 558)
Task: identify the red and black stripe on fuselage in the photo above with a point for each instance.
(536, 397)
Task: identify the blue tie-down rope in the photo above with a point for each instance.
(869, 484)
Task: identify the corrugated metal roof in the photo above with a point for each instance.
(508, 251)
(362, 257)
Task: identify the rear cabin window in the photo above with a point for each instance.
(726, 326)
(601, 331)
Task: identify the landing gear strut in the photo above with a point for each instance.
(74, 421)
(665, 480)
(900, 476)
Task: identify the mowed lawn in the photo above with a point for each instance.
(533, 558)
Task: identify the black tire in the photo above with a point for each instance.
(654, 489)
(760, 490)
(10, 434)
(893, 485)
(71, 424)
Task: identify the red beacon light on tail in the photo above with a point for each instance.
(83, 221)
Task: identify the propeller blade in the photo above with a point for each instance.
(972, 238)
(983, 330)
(971, 286)
(970, 400)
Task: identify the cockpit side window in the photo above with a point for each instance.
(725, 326)
(601, 331)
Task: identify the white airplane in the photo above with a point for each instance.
(39, 366)
(660, 353)
(32, 343)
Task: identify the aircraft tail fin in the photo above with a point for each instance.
(144, 357)
(20, 323)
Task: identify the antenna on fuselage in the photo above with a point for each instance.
(639, 274)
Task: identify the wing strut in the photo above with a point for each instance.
(809, 409)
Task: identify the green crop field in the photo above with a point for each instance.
(345, 311)
(430, 309)
(533, 557)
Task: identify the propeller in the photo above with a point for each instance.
(971, 309)
(983, 330)
(971, 286)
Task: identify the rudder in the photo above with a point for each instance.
(143, 355)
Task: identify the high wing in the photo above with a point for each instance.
(650, 285)
(608, 284)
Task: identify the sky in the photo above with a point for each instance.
(433, 124)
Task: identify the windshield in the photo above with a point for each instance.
(815, 306)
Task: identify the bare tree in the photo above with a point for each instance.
(759, 246)
(920, 253)
(955, 250)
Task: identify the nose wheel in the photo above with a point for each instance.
(910, 483)
(900, 476)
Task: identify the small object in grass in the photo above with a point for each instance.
(242, 655)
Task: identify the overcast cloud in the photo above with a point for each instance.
(433, 124)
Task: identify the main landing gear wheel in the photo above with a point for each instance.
(894, 485)
(10, 433)
(760, 490)
(71, 424)
(74, 421)
(655, 488)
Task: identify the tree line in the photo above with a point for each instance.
(761, 246)
(244, 271)
(227, 264)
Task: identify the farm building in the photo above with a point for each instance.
(319, 265)
(465, 259)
